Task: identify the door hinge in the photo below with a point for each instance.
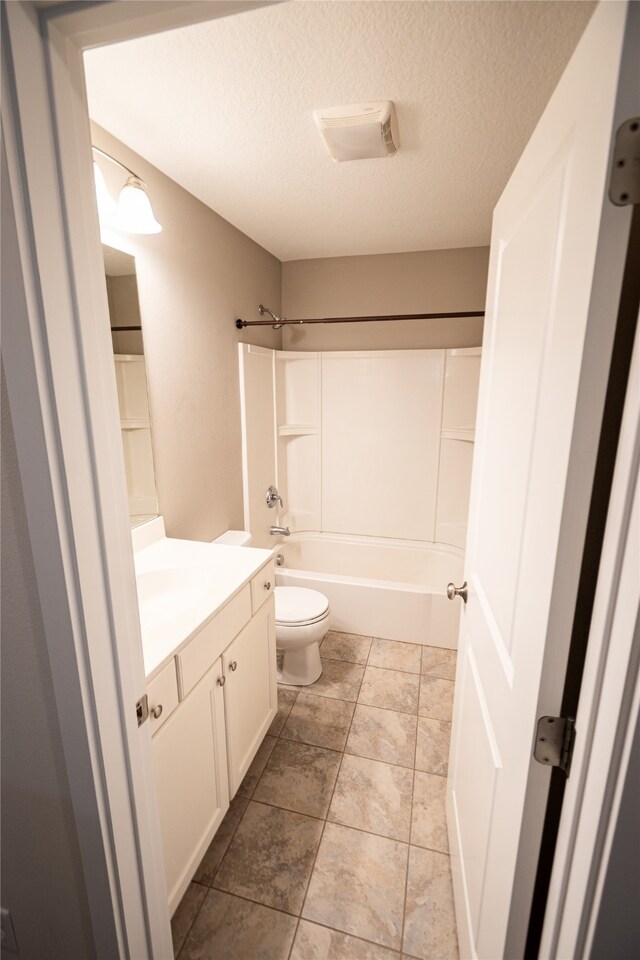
(142, 709)
(555, 737)
(624, 186)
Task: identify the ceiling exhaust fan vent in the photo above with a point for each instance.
(359, 131)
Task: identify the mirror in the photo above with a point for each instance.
(131, 379)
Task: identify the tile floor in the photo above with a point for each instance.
(335, 846)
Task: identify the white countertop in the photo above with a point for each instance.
(182, 584)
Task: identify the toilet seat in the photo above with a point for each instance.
(296, 606)
(302, 620)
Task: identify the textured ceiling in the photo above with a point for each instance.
(225, 108)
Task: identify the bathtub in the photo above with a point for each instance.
(394, 589)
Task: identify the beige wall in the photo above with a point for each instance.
(427, 281)
(194, 279)
(122, 293)
(124, 311)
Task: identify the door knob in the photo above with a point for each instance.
(233, 666)
(453, 591)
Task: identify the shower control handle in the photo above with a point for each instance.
(273, 497)
(453, 591)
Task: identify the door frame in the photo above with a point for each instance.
(608, 711)
(64, 412)
(63, 404)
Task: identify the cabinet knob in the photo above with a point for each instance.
(267, 585)
(233, 665)
(221, 681)
(156, 711)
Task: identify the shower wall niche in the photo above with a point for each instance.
(297, 392)
(365, 443)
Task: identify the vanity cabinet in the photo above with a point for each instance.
(163, 696)
(248, 700)
(218, 696)
(190, 762)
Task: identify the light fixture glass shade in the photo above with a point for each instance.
(106, 204)
(134, 210)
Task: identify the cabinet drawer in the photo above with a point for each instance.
(263, 585)
(207, 645)
(162, 692)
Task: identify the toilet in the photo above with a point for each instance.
(302, 620)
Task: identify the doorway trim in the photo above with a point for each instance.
(608, 711)
(64, 410)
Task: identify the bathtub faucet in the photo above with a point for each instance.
(279, 531)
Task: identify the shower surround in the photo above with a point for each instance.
(371, 452)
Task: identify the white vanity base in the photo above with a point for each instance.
(209, 641)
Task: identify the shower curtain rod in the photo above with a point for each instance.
(278, 322)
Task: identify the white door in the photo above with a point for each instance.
(533, 449)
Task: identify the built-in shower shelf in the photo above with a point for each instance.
(135, 424)
(297, 430)
(468, 435)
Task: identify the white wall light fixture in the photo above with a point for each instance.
(359, 131)
(133, 213)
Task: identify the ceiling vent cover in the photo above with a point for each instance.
(359, 131)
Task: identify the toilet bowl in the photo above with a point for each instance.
(302, 620)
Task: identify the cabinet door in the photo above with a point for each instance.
(250, 691)
(191, 779)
